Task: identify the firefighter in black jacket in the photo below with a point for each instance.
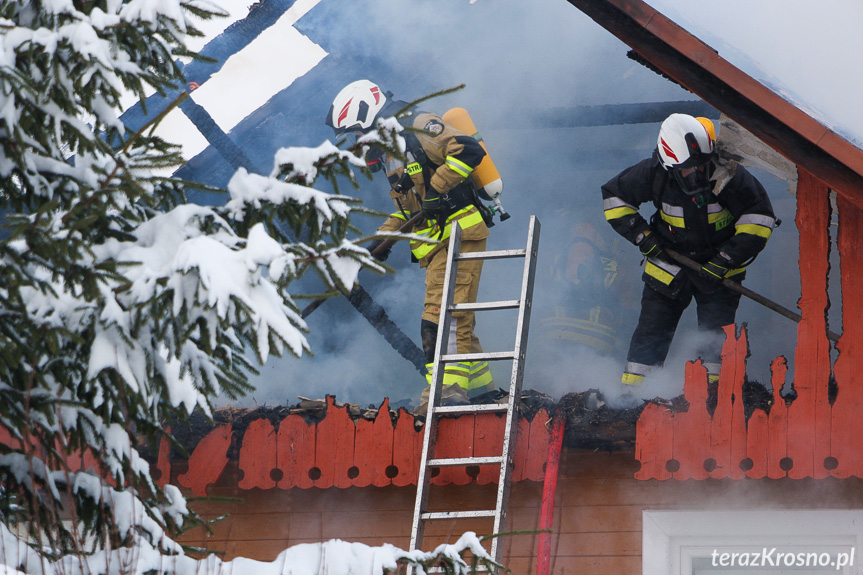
(440, 162)
(711, 210)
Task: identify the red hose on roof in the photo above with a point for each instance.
(549, 489)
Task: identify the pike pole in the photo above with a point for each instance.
(734, 286)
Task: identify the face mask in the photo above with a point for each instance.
(693, 181)
(375, 159)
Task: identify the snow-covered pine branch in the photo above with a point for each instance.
(124, 306)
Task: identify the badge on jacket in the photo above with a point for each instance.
(434, 127)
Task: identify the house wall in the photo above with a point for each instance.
(597, 515)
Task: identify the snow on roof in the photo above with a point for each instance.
(806, 52)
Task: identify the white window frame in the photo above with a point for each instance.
(671, 540)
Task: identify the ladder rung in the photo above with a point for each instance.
(491, 255)
(458, 514)
(461, 461)
(484, 356)
(486, 305)
(478, 569)
(463, 409)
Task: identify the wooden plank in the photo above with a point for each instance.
(847, 424)
(207, 461)
(7, 439)
(777, 422)
(537, 452)
(295, 452)
(562, 565)
(576, 544)
(653, 442)
(806, 425)
(334, 446)
(373, 449)
(601, 518)
(407, 446)
(738, 414)
(163, 461)
(691, 429)
(454, 439)
(626, 543)
(719, 456)
(488, 441)
(519, 455)
(757, 445)
(258, 456)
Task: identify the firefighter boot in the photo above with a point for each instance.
(450, 395)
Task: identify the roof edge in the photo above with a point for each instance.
(699, 68)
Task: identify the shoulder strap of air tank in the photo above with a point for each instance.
(660, 176)
(415, 149)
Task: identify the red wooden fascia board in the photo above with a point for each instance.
(340, 452)
(702, 70)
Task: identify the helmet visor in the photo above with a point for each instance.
(697, 157)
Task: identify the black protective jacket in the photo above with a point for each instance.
(736, 218)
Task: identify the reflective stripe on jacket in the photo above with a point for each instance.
(738, 220)
(466, 217)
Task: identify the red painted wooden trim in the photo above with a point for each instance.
(722, 428)
(537, 451)
(163, 463)
(295, 452)
(373, 449)
(258, 455)
(806, 440)
(334, 446)
(777, 422)
(757, 445)
(407, 446)
(488, 441)
(519, 456)
(7, 439)
(736, 363)
(454, 439)
(847, 423)
(691, 429)
(207, 461)
(653, 442)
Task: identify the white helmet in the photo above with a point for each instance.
(356, 107)
(686, 142)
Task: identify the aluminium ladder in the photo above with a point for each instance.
(435, 410)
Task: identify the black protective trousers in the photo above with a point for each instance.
(716, 308)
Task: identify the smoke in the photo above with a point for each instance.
(523, 63)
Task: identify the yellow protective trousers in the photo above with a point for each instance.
(462, 339)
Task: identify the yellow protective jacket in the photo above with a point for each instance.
(449, 157)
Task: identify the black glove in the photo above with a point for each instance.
(650, 245)
(384, 254)
(433, 204)
(714, 271)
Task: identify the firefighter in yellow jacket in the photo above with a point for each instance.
(436, 181)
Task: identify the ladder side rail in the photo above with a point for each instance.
(510, 430)
(430, 427)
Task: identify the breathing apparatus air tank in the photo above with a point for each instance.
(485, 176)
